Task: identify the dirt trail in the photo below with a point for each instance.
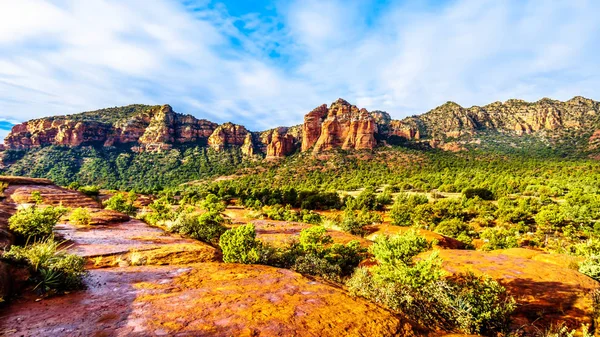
(179, 289)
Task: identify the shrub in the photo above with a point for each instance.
(352, 224)
(367, 200)
(239, 245)
(314, 265)
(36, 197)
(161, 211)
(499, 238)
(35, 222)
(549, 218)
(456, 228)
(74, 186)
(313, 240)
(212, 203)
(311, 217)
(90, 190)
(320, 256)
(464, 302)
(51, 269)
(401, 214)
(591, 267)
(207, 227)
(81, 216)
(121, 203)
(399, 249)
(482, 193)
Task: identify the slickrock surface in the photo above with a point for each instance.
(145, 282)
(546, 293)
(51, 195)
(209, 299)
(127, 237)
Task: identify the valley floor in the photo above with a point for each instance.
(143, 281)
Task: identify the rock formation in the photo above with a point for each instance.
(339, 126)
(227, 135)
(279, 143)
(248, 146)
(311, 129)
(153, 128)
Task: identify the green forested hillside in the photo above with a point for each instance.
(120, 168)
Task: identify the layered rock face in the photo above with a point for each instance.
(311, 129)
(339, 126)
(59, 132)
(155, 128)
(227, 135)
(278, 143)
(513, 116)
(342, 125)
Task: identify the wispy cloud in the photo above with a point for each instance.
(268, 68)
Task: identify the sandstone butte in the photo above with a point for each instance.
(340, 125)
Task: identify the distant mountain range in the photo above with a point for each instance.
(340, 125)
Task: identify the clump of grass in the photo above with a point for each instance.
(51, 269)
(136, 259)
(81, 216)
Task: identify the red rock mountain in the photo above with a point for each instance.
(338, 126)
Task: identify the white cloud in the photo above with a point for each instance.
(67, 56)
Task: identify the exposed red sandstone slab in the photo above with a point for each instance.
(15, 180)
(127, 237)
(51, 195)
(210, 299)
(546, 293)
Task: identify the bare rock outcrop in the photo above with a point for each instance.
(227, 135)
(342, 125)
(279, 143)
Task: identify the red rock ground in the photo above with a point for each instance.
(186, 296)
(181, 289)
(546, 293)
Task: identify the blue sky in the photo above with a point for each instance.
(267, 63)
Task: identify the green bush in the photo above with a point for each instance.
(51, 268)
(122, 203)
(311, 217)
(417, 289)
(482, 193)
(35, 222)
(81, 216)
(207, 227)
(320, 256)
(36, 197)
(499, 238)
(161, 211)
(550, 218)
(212, 203)
(399, 249)
(91, 190)
(591, 267)
(458, 229)
(313, 240)
(239, 245)
(311, 264)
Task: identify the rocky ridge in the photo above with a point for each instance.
(340, 125)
